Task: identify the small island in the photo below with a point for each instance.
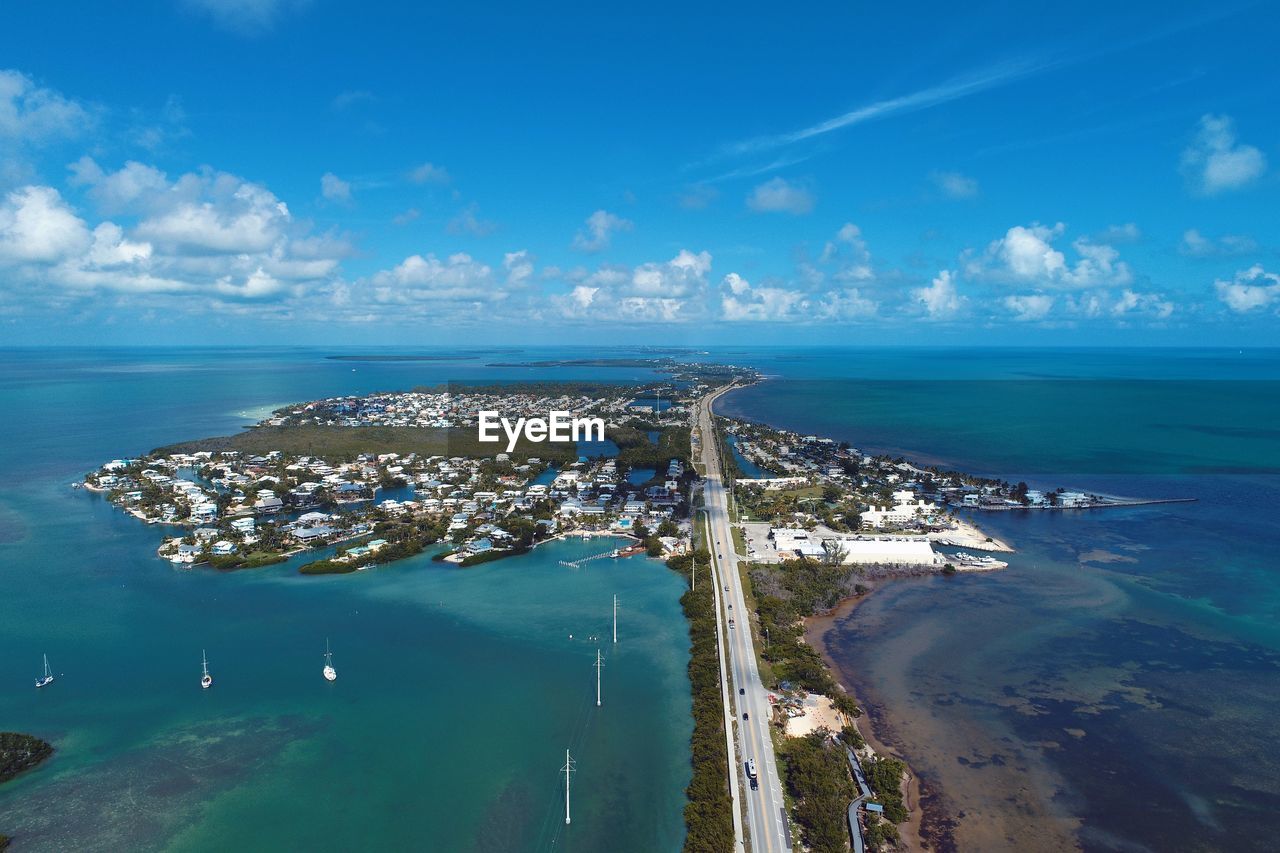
(18, 754)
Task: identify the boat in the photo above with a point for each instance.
(206, 680)
(330, 674)
(48, 676)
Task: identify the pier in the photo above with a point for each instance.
(573, 564)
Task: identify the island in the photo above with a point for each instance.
(18, 754)
(360, 481)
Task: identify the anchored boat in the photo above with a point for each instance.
(48, 676)
(330, 674)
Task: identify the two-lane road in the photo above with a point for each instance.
(766, 818)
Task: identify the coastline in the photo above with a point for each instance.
(928, 827)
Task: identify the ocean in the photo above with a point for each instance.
(458, 690)
(1116, 688)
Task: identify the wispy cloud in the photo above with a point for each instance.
(954, 89)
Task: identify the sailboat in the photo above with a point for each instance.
(330, 674)
(206, 680)
(48, 676)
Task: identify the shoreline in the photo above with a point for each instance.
(928, 826)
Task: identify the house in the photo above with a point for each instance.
(479, 546)
(223, 548)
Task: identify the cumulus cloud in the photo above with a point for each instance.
(247, 17)
(469, 221)
(1215, 162)
(940, 299)
(1126, 233)
(1250, 290)
(37, 226)
(427, 279)
(1196, 245)
(849, 252)
(208, 235)
(1026, 255)
(1028, 306)
(429, 173)
(699, 197)
(1131, 303)
(31, 114)
(780, 196)
(741, 302)
(519, 267)
(334, 188)
(666, 292)
(598, 230)
(955, 184)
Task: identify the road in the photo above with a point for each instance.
(765, 816)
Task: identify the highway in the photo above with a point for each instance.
(766, 819)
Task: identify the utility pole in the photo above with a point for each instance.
(566, 770)
(599, 666)
(615, 617)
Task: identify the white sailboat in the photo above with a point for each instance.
(206, 680)
(330, 674)
(48, 676)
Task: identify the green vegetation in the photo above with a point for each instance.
(490, 556)
(635, 450)
(342, 444)
(884, 775)
(817, 778)
(19, 753)
(707, 816)
(785, 594)
(404, 537)
(252, 560)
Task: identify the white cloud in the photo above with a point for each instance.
(519, 267)
(407, 216)
(1026, 255)
(940, 299)
(699, 197)
(1029, 306)
(31, 114)
(1250, 290)
(121, 190)
(425, 280)
(247, 17)
(209, 236)
(667, 292)
(850, 252)
(37, 226)
(429, 173)
(779, 196)
(1151, 304)
(598, 230)
(1129, 232)
(1215, 162)
(334, 188)
(956, 185)
(741, 302)
(1197, 245)
(468, 221)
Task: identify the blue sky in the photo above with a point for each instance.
(309, 172)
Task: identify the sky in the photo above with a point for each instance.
(316, 172)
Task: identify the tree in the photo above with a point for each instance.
(834, 552)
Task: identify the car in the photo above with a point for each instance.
(745, 715)
(742, 691)
(726, 589)
(755, 784)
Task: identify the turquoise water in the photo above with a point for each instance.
(749, 469)
(1116, 688)
(458, 690)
